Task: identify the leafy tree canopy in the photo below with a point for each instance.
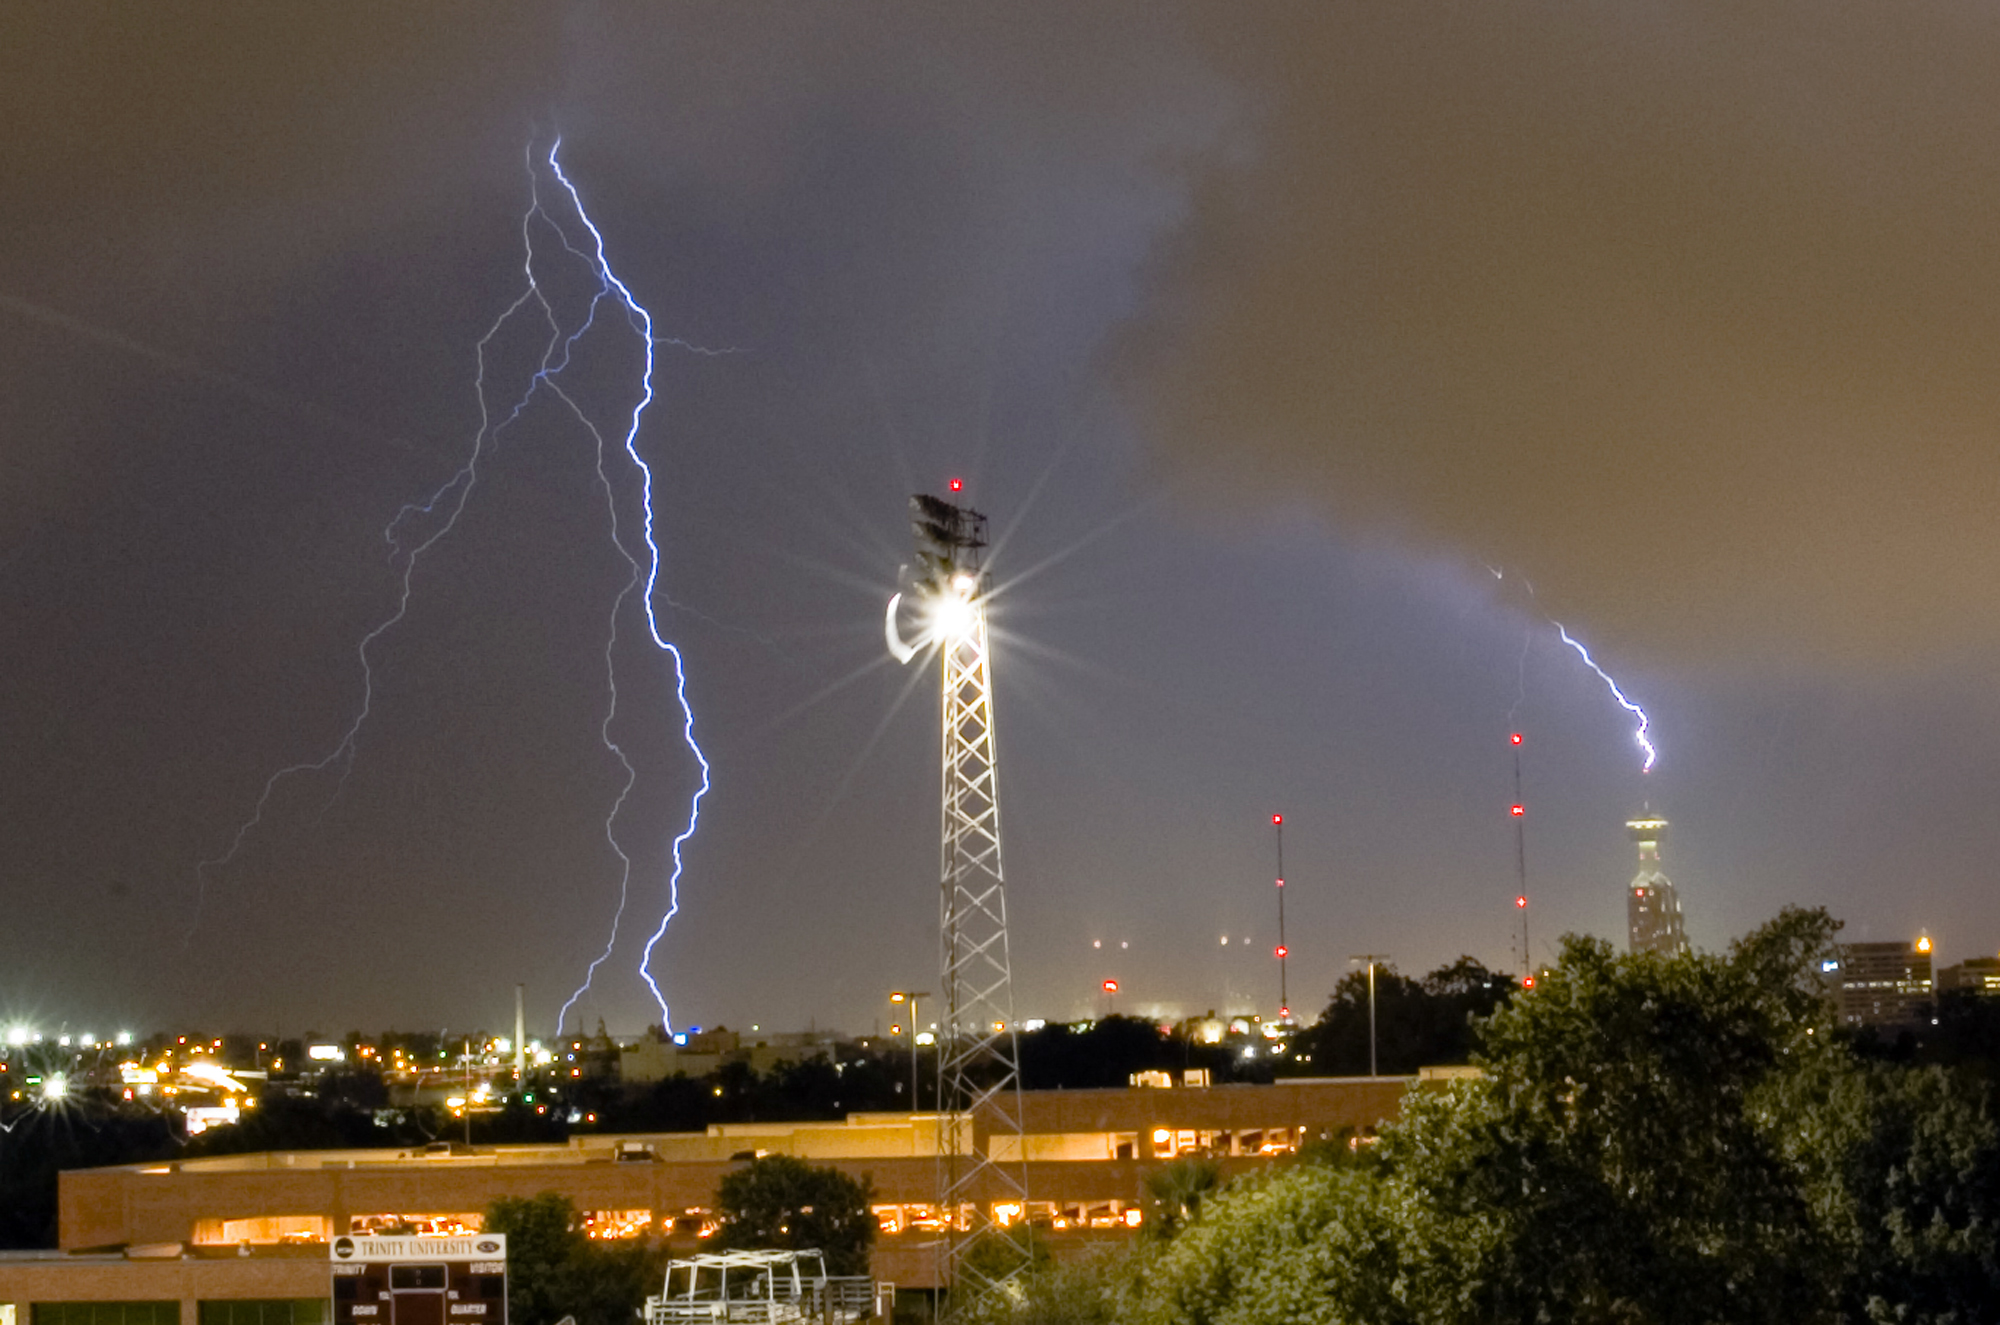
(1654, 1139)
(555, 1270)
(779, 1202)
(1418, 1023)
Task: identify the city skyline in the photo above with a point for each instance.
(1264, 531)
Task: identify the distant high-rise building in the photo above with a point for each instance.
(1885, 984)
(1978, 975)
(1652, 907)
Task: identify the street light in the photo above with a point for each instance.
(1371, 958)
(914, 1000)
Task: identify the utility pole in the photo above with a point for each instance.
(468, 1091)
(915, 1000)
(1372, 958)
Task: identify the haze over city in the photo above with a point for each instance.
(1284, 362)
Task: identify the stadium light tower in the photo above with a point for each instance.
(980, 1153)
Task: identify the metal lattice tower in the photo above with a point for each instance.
(980, 1151)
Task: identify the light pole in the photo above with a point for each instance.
(914, 1000)
(1372, 958)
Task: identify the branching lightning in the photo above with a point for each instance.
(1641, 736)
(442, 509)
(644, 325)
(1617, 694)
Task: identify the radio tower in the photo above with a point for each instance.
(980, 1152)
(1284, 991)
(1520, 812)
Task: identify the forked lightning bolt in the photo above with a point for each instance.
(1644, 724)
(420, 526)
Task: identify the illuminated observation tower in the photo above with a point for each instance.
(980, 1152)
(1652, 907)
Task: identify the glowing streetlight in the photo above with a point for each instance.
(915, 1000)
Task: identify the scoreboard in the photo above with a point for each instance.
(420, 1280)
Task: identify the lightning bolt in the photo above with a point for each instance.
(1617, 694)
(408, 542)
(1645, 725)
(642, 322)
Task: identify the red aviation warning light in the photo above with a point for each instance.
(1277, 821)
(1527, 982)
(1281, 951)
(1516, 811)
(1515, 739)
(957, 485)
(1520, 901)
(1110, 986)
(1285, 1013)
(1281, 883)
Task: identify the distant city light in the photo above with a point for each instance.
(925, 1037)
(124, 1037)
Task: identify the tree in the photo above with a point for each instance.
(1654, 1139)
(784, 1203)
(1103, 1053)
(555, 1270)
(1175, 1191)
(1418, 1023)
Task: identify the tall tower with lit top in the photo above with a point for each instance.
(1652, 907)
(982, 1180)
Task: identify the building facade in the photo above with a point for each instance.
(1652, 907)
(1975, 975)
(189, 1237)
(1885, 984)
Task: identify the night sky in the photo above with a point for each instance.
(1286, 348)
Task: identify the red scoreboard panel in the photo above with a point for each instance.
(420, 1281)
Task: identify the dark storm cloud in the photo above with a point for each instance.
(1688, 312)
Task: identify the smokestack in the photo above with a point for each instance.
(520, 1035)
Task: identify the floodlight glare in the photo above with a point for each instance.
(54, 1088)
(952, 614)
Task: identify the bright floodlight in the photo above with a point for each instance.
(124, 1037)
(19, 1035)
(55, 1088)
(952, 614)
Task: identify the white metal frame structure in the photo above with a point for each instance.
(981, 1069)
(979, 1059)
(757, 1288)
